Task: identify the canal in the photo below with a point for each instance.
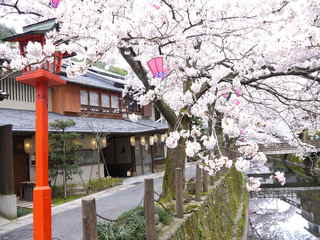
(289, 212)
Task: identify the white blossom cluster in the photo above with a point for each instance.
(172, 140)
(212, 166)
(279, 176)
(253, 184)
(249, 69)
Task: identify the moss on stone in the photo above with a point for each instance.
(215, 218)
(191, 207)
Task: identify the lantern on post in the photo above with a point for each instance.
(157, 68)
(3, 95)
(41, 78)
(132, 141)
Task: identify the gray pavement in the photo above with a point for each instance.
(110, 203)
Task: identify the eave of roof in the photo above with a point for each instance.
(93, 82)
(34, 29)
(24, 121)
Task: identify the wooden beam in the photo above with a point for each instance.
(149, 210)
(6, 161)
(89, 219)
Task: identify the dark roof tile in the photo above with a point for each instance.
(24, 121)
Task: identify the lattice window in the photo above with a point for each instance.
(17, 91)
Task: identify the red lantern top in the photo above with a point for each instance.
(36, 33)
(47, 71)
(156, 67)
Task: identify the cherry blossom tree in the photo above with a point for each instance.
(239, 73)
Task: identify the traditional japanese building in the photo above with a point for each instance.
(95, 103)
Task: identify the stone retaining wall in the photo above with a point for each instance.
(221, 215)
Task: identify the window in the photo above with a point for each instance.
(17, 91)
(84, 97)
(98, 101)
(115, 102)
(105, 100)
(94, 99)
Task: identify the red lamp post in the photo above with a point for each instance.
(41, 78)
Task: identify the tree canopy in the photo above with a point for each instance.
(248, 72)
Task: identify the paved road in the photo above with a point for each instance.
(110, 203)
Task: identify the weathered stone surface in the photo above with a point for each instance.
(191, 186)
(215, 217)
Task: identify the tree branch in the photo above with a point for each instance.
(18, 10)
(128, 54)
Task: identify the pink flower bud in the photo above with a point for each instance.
(156, 6)
(238, 92)
(225, 95)
(237, 102)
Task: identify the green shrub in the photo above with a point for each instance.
(129, 225)
(21, 211)
(58, 192)
(60, 200)
(165, 217)
(102, 183)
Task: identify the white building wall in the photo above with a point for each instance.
(87, 172)
(24, 105)
(8, 206)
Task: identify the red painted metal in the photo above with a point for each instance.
(41, 79)
(42, 191)
(40, 75)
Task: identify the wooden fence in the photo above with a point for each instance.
(89, 216)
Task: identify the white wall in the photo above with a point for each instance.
(17, 105)
(87, 171)
(21, 105)
(8, 206)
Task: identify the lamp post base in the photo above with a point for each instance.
(42, 213)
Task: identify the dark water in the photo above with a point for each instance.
(275, 219)
(292, 217)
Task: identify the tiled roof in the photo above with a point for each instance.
(24, 121)
(97, 80)
(45, 26)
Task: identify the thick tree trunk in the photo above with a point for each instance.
(175, 159)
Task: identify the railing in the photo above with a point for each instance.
(281, 148)
(104, 110)
(89, 215)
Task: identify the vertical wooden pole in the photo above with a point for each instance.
(141, 157)
(198, 183)
(42, 191)
(7, 161)
(179, 193)
(205, 181)
(211, 180)
(89, 219)
(149, 210)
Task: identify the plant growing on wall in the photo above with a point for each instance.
(62, 158)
